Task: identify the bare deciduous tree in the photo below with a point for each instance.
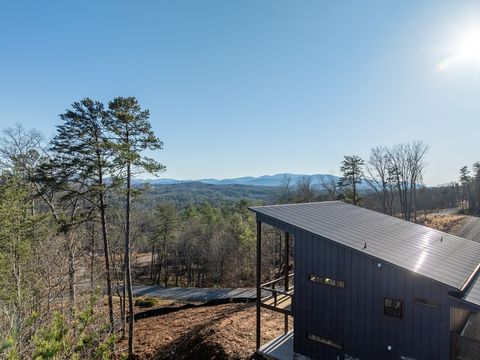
(379, 176)
(305, 189)
(408, 165)
(329, 184)
(285, 190)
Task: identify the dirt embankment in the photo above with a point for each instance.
(204, 333)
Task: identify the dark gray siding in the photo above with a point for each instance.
(353, 316)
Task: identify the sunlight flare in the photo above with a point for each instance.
(464, 51)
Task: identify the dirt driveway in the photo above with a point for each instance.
(471, 230)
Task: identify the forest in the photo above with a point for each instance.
(76, 232)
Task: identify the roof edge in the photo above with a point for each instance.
(470, 279)
(254, 208)
(257, 209)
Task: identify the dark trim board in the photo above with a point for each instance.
(462, 304)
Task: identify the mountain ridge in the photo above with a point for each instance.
(263, 180)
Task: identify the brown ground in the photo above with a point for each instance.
(223, 331)
(204, 333)
(444, 222)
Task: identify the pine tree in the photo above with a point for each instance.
(132, 135)
(352, 174)
(476, 187)
(465, 181)
(82, 156)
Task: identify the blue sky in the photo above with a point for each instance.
(240, 88)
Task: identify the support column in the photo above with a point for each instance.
(259, 280)
(286, 271)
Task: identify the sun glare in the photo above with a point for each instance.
(464, 51)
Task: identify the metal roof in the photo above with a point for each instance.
(449, 259)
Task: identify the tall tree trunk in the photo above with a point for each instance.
(128, 273)
(71, 271)
(92, 258)
(414, 204)
(384, 197)
(198, 275)
(152, 262)
(176, 268)
(158, 275)
(17, 274)
(124, 302)
(106, 253)
(354, 187)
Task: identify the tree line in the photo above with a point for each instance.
(75, 233)
(54, 196)
(469, 189)
(388, 180)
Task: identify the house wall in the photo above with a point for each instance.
(354, 316)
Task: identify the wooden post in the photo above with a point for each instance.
(286, 270)
(259, 280)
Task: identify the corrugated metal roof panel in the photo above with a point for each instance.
(440, 256)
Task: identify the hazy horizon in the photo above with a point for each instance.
(256, 88)
(166, 177)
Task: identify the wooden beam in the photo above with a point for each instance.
(259, 281)
(287, 311)
(286, 270)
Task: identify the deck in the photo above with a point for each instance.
(279, 296)
(281, 303)
(197, 294)
(279, 291)
(280, 348)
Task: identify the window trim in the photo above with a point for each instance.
(426, 302)
(324, 341)
(326, 281)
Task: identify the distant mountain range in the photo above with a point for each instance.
(265, 180)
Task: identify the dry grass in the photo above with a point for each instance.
(444, 222)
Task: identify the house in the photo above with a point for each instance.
(369, 286)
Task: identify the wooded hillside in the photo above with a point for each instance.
(72, 221)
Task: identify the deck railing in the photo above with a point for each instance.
(278, 298)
